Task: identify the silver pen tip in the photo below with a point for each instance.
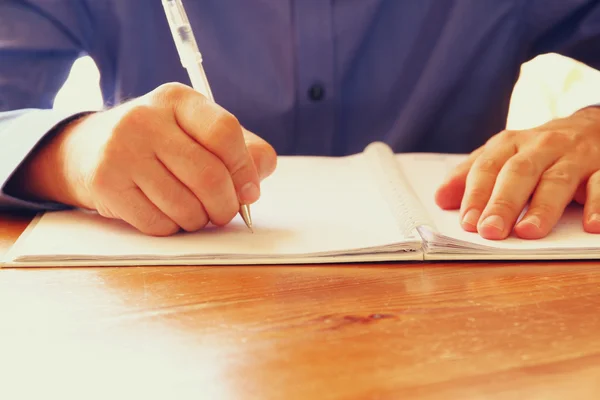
(245, 212)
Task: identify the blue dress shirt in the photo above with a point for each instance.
(322, 77)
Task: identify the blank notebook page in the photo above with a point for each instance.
(309, 205)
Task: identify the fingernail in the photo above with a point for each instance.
(594, 218)
(249, 193)
(472, 217)
(532, 220)
(495, 222)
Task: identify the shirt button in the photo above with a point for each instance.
(316, 92)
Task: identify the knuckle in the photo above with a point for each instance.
(562, 175)
(477, 196)
(493, 141)
(545, 208)
(171, 92)
(195, 223)
(226, 137)
(225, 216)
(179, 149)
(192, 216)
(504, 138)
(554, 139)
(133, 119)
(133, 135)
(505, 206)
(522, 166)
(508, 135)
(192, 153)
(225, 127)
(589, 151)
(212, 176)
(155, 225)
(487, 165)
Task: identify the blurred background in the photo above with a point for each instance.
(549, 86)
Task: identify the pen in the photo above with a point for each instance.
(191, 59)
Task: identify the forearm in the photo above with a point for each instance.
(29, 159)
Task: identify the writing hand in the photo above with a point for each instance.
(550, 166)
(166, 161)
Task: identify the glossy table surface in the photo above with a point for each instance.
(390, 331)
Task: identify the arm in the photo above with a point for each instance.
(39, 41)
(166, 161)
(544, 168)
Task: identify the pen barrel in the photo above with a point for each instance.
(199, 80)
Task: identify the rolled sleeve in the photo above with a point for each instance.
(20, 132)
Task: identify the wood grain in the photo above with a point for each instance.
(427, 331)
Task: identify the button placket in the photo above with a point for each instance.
(315, 126)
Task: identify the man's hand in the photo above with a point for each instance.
(548, 166)
(166, 161)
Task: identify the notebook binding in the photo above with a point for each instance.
(396, 189)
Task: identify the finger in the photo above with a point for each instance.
(133, 207)
(171, 196)
(480, 183)
(449, 194)
(591, 210)
(201, 172)
(554, 192)
(262, 153)
(221, 134)
(515, 184)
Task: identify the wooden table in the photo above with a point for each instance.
(436, 331)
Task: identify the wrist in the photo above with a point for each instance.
(44, 175)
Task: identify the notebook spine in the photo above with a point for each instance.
(403, 202)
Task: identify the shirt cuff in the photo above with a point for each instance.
(18, 138)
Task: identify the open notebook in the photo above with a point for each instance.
(372, 206)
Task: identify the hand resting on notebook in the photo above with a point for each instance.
(550, 166)
(166, 161)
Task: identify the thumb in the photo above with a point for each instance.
(263, 154)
